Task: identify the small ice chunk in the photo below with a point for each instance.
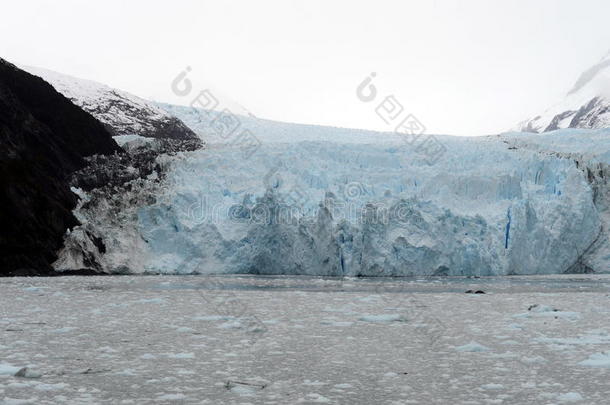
(127, 372)
(27, 372)
(50, 387)
(242, 390)
(171, 397)
(314, 398)
(548, 312)
(383, 318)
(150, 301)
(8, 369)
(246, 388)
(369, 298)
(16, 401)
(332, 322)
(214, 318)
(597, 360)
(181, 355)
(492, 386)
(231, 325)
(65, 329)
(570, 397)
(472, 347)
(541, 308)
(533, 359)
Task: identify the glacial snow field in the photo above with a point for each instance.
(290, 340)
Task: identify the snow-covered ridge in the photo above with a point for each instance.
(586, 105)
(122, 112)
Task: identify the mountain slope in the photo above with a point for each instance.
(44, 138)
(586, 105)
(121, 112)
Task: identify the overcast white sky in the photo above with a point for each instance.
(461, 67)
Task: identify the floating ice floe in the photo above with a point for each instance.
(545, 311)
(597, 360)
(8, 369)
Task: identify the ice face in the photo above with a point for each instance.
(375, 209)
(303, 199)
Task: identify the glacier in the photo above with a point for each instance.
(326, 201)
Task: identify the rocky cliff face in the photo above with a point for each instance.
(44, 138)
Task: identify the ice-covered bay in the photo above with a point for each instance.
(289, 340)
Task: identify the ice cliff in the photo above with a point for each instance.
(330, 201)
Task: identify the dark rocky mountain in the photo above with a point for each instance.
(44, 138)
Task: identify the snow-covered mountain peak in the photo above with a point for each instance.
(599, 73)
(586, 105)
(123, 113)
